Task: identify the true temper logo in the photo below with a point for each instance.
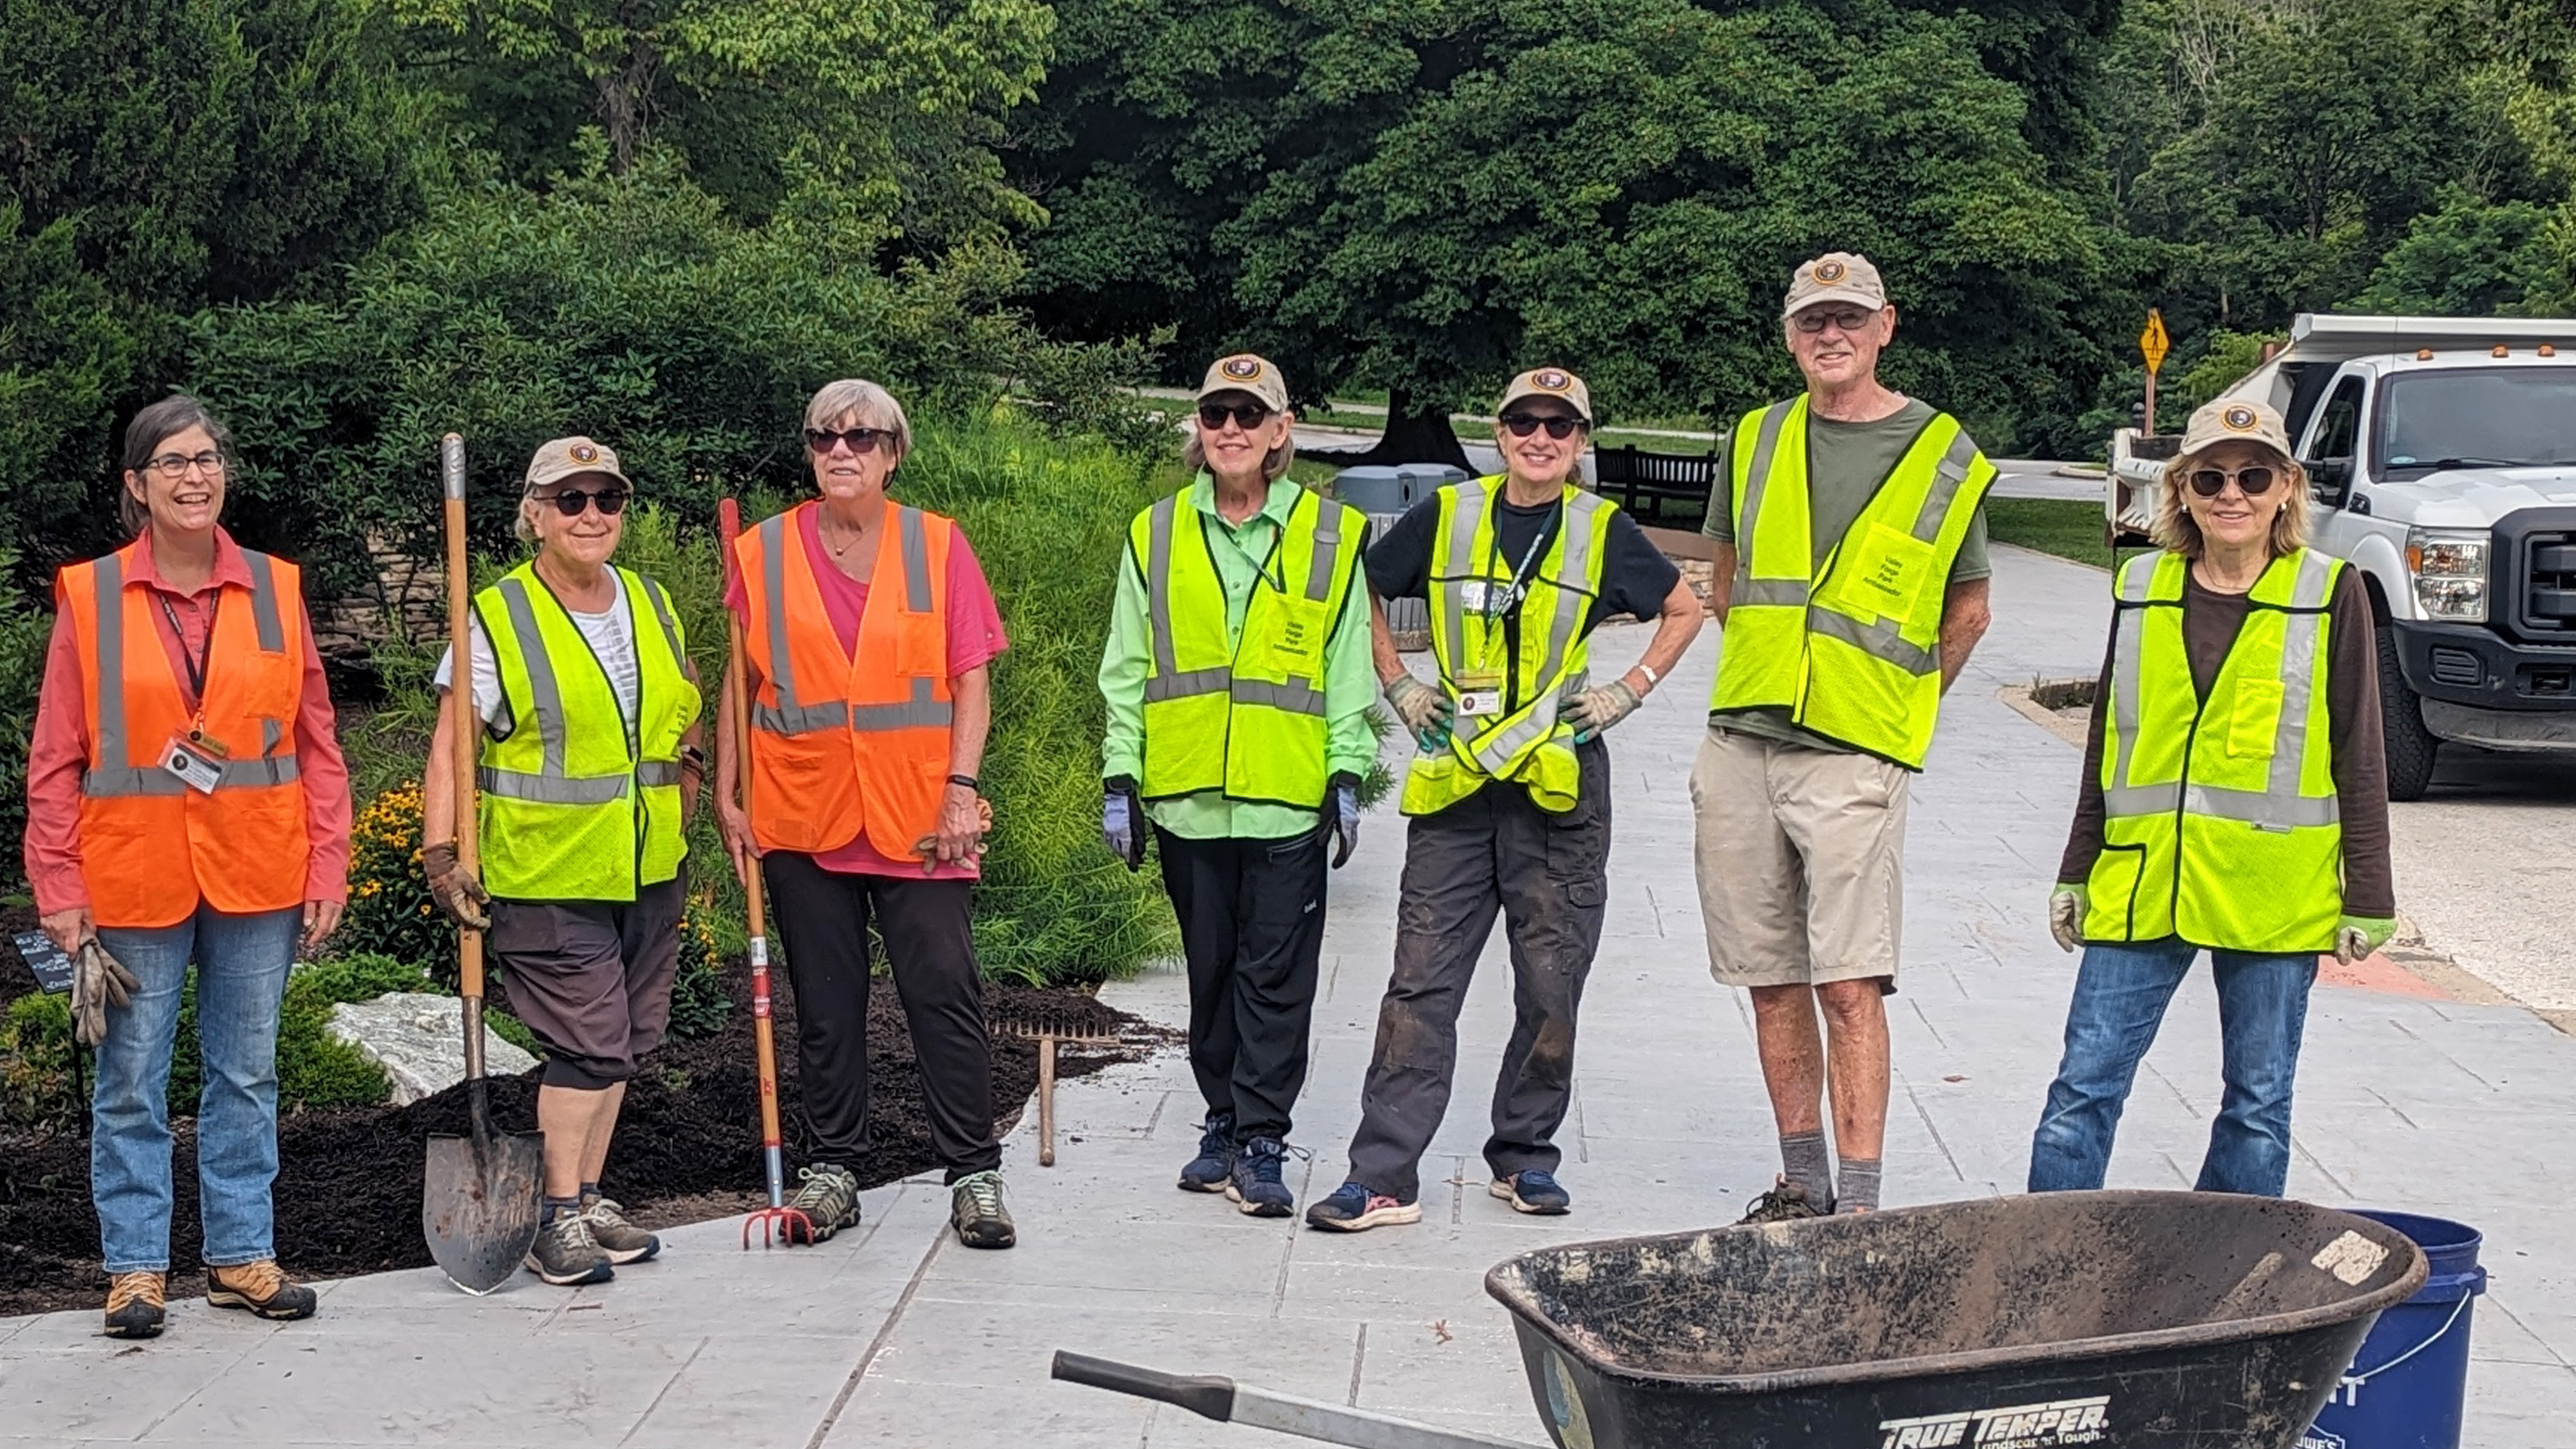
(2024, 1426)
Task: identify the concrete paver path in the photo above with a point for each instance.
(894, 1335)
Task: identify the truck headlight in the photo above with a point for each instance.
(2450, 571)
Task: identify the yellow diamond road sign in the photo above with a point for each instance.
(2153, 342)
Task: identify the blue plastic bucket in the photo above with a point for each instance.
(2408, 1385)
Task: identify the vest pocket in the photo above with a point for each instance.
(1885, 574)
(2111, 893)
(2254, 720)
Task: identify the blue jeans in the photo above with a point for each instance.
(241, 980)
(2121, 993)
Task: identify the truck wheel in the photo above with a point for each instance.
(2410, 746)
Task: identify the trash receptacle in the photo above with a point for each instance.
(1409, 620)
(2408, 1386)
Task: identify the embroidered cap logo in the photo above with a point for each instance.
(584, 453)
(1245, 368)
(1830, 272)
(2239, 418)
(1551, 379)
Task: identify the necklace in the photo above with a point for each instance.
(838, 549)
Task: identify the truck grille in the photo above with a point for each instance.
(2549, 587)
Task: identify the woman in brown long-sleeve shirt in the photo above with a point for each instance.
(2234, 800)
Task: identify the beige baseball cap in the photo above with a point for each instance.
(1553, 382)
(569, 457)
(2232, 420)
(1247, 372)
(1835, 277)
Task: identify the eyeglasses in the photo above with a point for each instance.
(1849, 319)
(862, 441)
(2210, 482)
(571, 501)
(175, 465)
(1246, 416)
(1558, 426)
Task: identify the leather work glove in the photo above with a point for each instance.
(1598, 708)
(927, 847)
(1341, 823)
(460, 895)
(2066, 916)
(2358, 936)
(1425, 712)
(99, 981)
(1122, 820)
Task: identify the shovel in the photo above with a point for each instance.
(480, 1193)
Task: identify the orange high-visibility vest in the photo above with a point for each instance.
(151, 847)
(841, 744)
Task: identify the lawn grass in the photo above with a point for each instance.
(2068, 528)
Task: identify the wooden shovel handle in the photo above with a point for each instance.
(460, 640)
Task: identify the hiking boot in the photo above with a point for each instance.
(1354, 1209)
(1533, 1191)
(134, 1304)
(829, 1199)
(1784, 1204)
(1208, 1171)
(975, 1210)
(261, 1288)
(566, 1255)
(621, 1240)
(1254, 1186)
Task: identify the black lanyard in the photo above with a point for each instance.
(205, 652)
(1520, 575)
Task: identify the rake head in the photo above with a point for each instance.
(788, 1223)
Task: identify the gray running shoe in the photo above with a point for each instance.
(975, 1210)
(829, 1199)
(1784, 1204)
(566, 1255)
(621, 1240)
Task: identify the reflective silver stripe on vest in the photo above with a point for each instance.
(658, 772)
(788, 716)
(2299, 636)
(1748, 513)
(551, 789)
(1295, 696)
(1879, 640)
(913, 535)
(1780, 593)
(153, 780)
(541, 673)
(121, 779)
(108, 574)
(1327, 551)
(662, 612)
(1573, 583)
(1183, 686)
(1459, 547)
(919, 712)
(1158, 603)
(2131, 590)
(1947, 477)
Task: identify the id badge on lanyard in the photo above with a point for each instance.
(193, 755)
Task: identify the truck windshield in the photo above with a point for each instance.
(2478, 417)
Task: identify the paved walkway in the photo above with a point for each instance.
(896, 1336)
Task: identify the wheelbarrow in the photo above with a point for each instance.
(2130, 1320)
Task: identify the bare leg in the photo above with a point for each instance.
(568, 1116)
(1856, 1059)
(603, 1126)
(1784, 1033)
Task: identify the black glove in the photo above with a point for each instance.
(1341, 822)
(1122, 820)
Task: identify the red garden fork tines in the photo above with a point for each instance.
(778, 1218)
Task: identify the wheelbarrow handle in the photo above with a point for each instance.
(1222, 1399)
(1210, 1396)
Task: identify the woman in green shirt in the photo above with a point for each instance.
(1238, 681)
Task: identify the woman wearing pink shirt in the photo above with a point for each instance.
(868, 635)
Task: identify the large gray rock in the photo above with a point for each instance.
(418, 1038)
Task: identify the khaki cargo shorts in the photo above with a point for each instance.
(1801, 861)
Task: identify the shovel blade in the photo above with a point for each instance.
(479, 1202)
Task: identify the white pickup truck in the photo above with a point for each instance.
(2441, 460)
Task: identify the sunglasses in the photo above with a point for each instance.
(862, 441)
(2210, 482)
(1849, 319)
(1246, 416)
(1524, 424)
(571, 501)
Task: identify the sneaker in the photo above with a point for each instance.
(134, 1304)
(1354, 1209)
(621, 1240)
(1533, 1191)
(1208, 1171)
(1783, 1204)
(1255, 1187)
(975, 1210)
(828, 1196)
(566, 1255)
(261, 1288)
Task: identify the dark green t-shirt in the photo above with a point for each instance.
(1845, 464)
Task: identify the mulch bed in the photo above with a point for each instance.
(688, 1144)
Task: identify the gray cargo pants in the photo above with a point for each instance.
(1548, 875)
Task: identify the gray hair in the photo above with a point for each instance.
(2175, 530)
(1274, 464)
(152, 427)
(870, 404)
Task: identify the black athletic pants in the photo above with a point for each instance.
(823, 921)
(1252, 926)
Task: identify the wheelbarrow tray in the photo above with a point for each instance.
(2127, 1319)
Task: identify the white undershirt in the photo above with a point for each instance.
(612, 639)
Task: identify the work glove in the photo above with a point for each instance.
(99, 981)
(2358, 936)
(2066, 916)
(459, 894)
(1341, 821)
(1425, 712)
(1122, 820)
(1598, 708)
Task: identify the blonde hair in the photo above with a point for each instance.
(1274, 464)
(872, 405)
(2176, 531)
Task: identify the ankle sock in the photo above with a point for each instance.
(1859, 1186)
(555, 1205)
(589, 1190)
(1807, 1166)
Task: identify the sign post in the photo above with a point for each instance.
(2153, 344)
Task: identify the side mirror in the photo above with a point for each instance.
(2329, 479)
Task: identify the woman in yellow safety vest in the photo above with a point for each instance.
(2234, 801)
(589, 775)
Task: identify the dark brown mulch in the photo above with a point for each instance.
(349, 1182)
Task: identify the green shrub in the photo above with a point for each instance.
(390, 913)
(36, 1086)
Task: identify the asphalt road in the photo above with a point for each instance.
(2486, 868)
